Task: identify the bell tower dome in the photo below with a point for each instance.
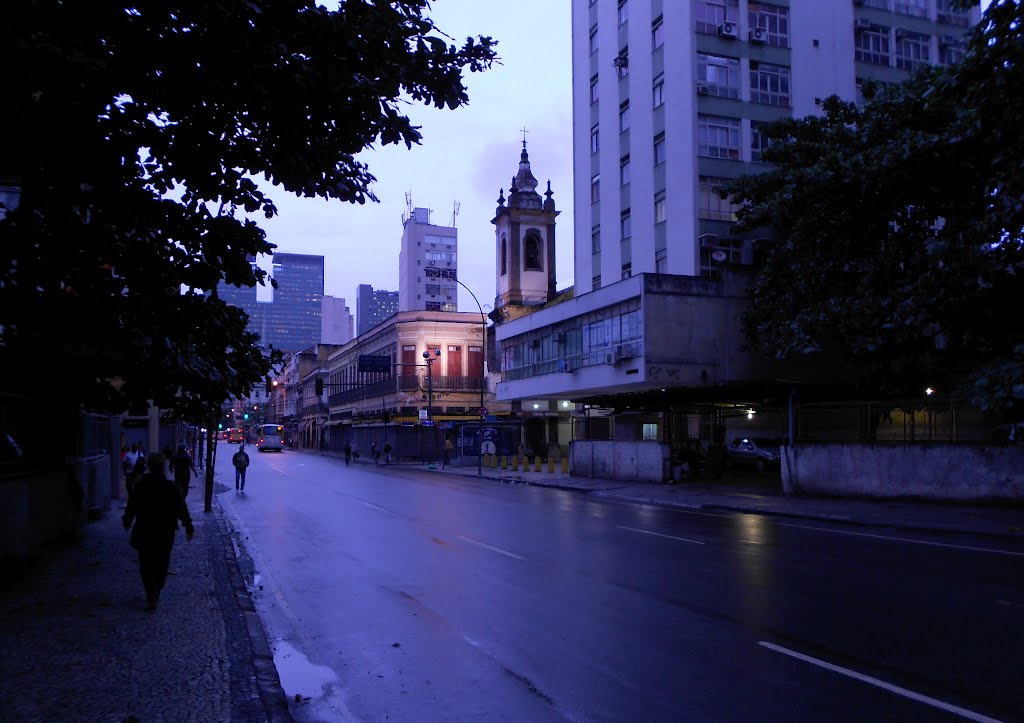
(524, 234)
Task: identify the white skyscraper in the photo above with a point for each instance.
(427, 265)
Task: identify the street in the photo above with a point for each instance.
(395, 592)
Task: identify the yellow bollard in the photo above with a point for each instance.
(515, 464)
(504, 461)
(551, 465)
(536, 464)
(565, 465)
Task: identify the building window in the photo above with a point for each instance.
(595, 282)
(661, 261)
(625, 224)
(769, 83)
(595, 139)
(712, 13)
(951, 51)
(595, 188)
(878, 4)
(624, 116)
(758, 141)
(773, 19)
(954, 16)
(593, 40)
(711, 268)
(433, 290)
(623, 11)
(659, 207)
(913, 8)
(621, 62)
(710, 205)
(659, 149)
(532, 258)
(912, 49)
(593, 89)
(659, 90)
(718, 76)
(657, 33)
(504, 255)
(595, 239)
(624, 170)
(627, 270)
(872, 45)
(718, 137)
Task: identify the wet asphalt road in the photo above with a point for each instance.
(401, 594)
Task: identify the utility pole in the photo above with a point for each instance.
(483, 378)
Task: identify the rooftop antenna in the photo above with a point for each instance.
(408, 207)
(455, 212)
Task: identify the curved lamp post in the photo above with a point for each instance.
(483, 376)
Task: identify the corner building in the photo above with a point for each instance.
(670, 96)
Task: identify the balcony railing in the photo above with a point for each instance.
(313, 408)
(413, 382)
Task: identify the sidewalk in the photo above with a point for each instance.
(77, 645)
(762, 496)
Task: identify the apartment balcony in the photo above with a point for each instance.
(415, 382)
(315, 408)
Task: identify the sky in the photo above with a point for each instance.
(465, 157)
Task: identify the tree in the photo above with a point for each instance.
(135, 132)
(898, 228)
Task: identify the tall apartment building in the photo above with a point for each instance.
(373, 307)
(671, 96)
(427, 265)
(336, 323)
(293, 319)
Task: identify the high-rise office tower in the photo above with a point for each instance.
(670, 97)
(244, 297)
(373, 307)
(293, 319)
(336, 324)
(427, 265)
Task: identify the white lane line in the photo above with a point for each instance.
(901, 539)
(658, 534)
(376, 507)
(935, 703)
(484, 545)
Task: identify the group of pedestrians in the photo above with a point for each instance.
(351, 450)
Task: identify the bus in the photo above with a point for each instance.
(270, 436)
(235, 435)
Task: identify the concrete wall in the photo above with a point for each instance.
(636, 461)
(932, 471)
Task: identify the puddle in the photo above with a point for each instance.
(298, 675)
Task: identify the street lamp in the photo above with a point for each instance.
(483, 377)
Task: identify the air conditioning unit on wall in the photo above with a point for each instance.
(758, 36)
(728, 30)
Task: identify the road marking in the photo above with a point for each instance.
(279, 471)
(902, 539)
(376, 507)
(506, 553)
(658, 534)
(935, 703)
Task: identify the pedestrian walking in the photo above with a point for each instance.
(133, 465)
(387, 453)
(155, 506)
(184, 470)
(241, 461)
(374, 452)
(355, 450)
(348, 452)
(448, 447)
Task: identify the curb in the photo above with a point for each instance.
(268, 682)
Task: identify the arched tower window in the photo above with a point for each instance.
(504, 255)
(532, 260)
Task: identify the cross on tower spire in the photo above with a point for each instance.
(524, 137)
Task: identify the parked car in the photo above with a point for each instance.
(759, 453)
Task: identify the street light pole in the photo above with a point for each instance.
(483, 378)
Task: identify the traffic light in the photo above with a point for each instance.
(219, 426)
(319, 387)
(245, 416)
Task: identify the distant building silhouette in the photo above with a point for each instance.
(373, 307)
(427, 264)
(336, 323)
(293, 319)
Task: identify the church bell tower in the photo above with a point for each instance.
(524, 235)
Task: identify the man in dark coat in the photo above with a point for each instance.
(155, 505)
(183, 469)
